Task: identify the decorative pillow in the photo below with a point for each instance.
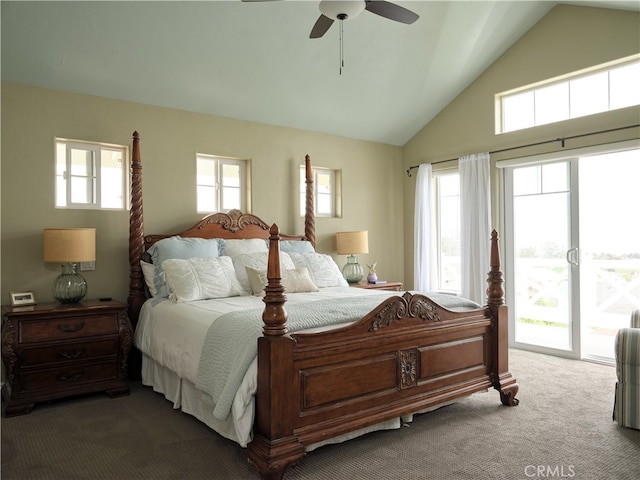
(257, 261)
(294, 280)
(181, 248)
(235, 247)
(297, 246)
(148, 271)
(201, 278)
(322, 268)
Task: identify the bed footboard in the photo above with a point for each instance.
(406, 355)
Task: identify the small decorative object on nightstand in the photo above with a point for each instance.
(372, 277)
(54, 350)
(352, 244)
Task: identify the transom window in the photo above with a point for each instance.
(90, 175)
(221, 184)
(577, 95)
(326, 198)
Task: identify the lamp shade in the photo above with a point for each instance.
(352, 243)
(69, 245)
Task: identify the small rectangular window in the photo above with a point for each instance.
(326, 186)
(221, 184)
(90, 175)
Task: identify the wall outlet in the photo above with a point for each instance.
(86, 266)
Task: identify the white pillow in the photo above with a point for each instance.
(294, 280)
(322, 268)
(179, 247)
(200, 278)
(148, 272)
(257, 261)
(235, 247)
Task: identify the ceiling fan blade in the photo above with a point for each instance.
(321, 26)
(391, 11)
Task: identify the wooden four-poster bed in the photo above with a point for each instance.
(405, 355)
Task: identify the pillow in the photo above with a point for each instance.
(294, 280)
(297, 246)
(235, 247)
(322, 268)
(178, 247)
(148, 271)
(200, 278)
(257, 261)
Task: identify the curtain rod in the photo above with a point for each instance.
(561, 139)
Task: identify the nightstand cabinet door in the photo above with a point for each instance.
(52, 351)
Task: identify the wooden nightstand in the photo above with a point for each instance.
(52, 350)
(393, 286)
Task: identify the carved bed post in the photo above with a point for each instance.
(274, 446)
(503, 380)
(495, 291)
(274, 315)
(309, 218)
(136, 249)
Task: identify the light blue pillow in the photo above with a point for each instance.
(180, 248)
(295, 246)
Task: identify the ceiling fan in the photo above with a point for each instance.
(332, 10)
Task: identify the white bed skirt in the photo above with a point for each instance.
(184, 395)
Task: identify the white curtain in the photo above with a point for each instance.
(475, 231)
(424, 270)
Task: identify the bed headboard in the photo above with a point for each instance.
(230, 225)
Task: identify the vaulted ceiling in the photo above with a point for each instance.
(255, 61)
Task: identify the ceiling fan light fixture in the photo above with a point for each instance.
(342, 9)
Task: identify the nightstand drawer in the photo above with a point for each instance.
(68, 376)
(68, 351)
(68, 327)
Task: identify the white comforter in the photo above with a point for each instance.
(172, 335)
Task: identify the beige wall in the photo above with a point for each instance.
(33, 117)
(566, 40)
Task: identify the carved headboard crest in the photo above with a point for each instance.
(233, 221)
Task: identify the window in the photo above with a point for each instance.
(577, 95)
(447, 214)
(221, 184)
(90, 175)
(326, 183)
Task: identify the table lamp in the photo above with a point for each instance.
(352, 244)
(69, 246)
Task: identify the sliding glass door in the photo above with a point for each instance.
(541, 237)
(573, 246)
(609, 248)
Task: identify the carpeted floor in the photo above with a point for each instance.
(561, 429)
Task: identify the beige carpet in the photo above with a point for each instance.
(561, 429)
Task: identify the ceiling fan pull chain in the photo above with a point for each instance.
(341, 46)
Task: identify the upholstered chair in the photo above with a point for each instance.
(626, 409)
